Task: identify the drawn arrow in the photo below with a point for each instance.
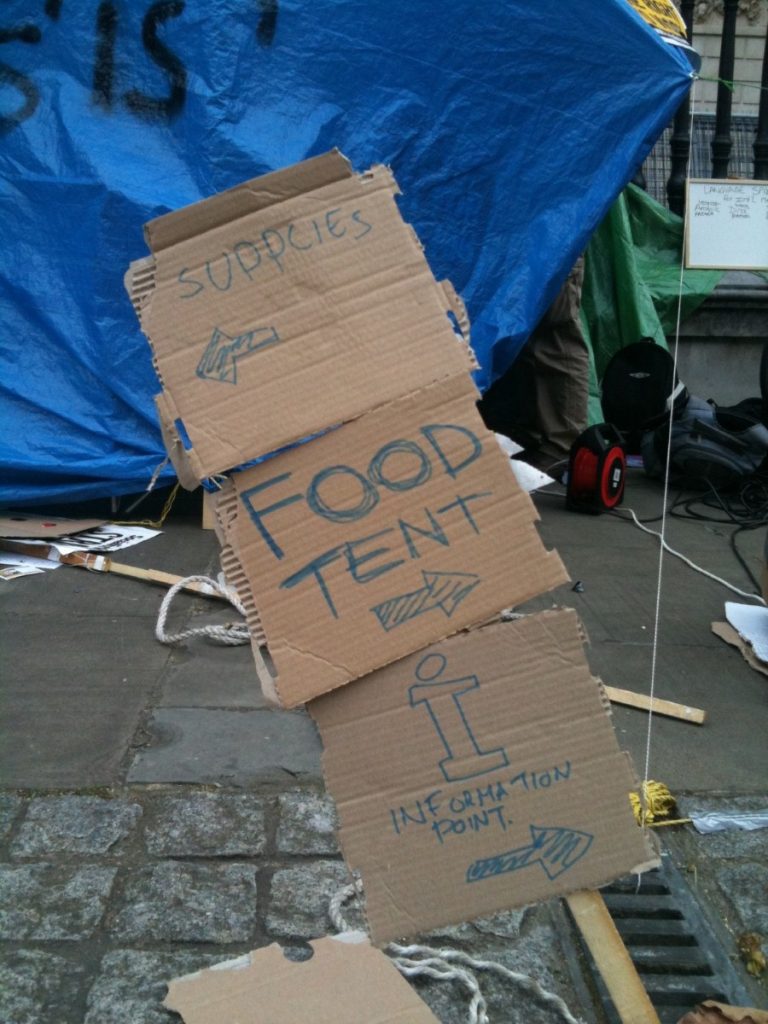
(219, 361)
(556, 849)
(443, 590)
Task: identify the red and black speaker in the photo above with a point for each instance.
(597, 471)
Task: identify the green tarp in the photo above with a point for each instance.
(632, 282)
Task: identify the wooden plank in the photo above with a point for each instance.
(660, 707)
(100, 563)
(611, 957)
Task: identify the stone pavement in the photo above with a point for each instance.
(104, 897)
(156, 816)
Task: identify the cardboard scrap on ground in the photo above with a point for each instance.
(379, 538)
(711, 1012)
(479, 775)
(751, 628)
(346, 981)
(24, 524)
(291, 303)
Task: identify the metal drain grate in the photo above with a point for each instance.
(679, 959)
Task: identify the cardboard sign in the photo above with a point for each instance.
(479, 775)
(380, 538)
(346, 981)
(291, 303)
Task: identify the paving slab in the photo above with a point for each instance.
(48, 901)
(73, 824)
(37, 987)
(186, 902)
(72, 697)
(207, 825)
(201, 674)
(232, 747)
(132, 984)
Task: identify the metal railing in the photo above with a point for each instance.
(723, 145)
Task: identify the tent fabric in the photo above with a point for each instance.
(632, 282)
(511, 127)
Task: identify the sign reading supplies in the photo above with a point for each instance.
(479, 775)
(379, 538)
(291, 303)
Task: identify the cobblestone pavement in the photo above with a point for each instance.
(105, 896)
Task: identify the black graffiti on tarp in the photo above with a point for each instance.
(16, 79)
(150, 106)
(104, 76)
(104, 63)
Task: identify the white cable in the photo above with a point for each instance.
(683, 558)
(230, 634)
(450, 965)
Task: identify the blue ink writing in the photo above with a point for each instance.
(273, 247)
(374, 479)
(555, 849)
(442, 590)
(223, 352)
(465, 759)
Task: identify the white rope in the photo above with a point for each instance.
(663, 547)
(230, 634)
(451, 965)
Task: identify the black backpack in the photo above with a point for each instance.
(710, 444)
(636, 390)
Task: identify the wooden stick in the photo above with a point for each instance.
(660, 707)
(613, 961)
(100, 563)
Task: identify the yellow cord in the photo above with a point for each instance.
(154, 524)
(659, 807)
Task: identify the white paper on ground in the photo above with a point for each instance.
(26, 562)
(751, 623)
(529, 478)
(717, 821)
(15, 572)
(111, 537)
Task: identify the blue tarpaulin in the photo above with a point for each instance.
(510, 127)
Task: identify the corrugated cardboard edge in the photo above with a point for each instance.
(225, 512)
(139, 281)
(251, 196)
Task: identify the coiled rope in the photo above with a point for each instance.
(230, 634)
(451, 965)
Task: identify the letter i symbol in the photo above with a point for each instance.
(465, 759)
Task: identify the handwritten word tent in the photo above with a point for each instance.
(511, 128)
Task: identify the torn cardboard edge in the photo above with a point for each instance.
(345, 981)
(435, 536)
(342, 346)
(726, 632)
(478, 775)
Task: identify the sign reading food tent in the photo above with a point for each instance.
(727, 227)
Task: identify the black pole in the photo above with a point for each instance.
(761, 138)
(680, 142)
(721, 144)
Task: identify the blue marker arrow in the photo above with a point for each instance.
(219, 361)
(556, 849)
(443, 590)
